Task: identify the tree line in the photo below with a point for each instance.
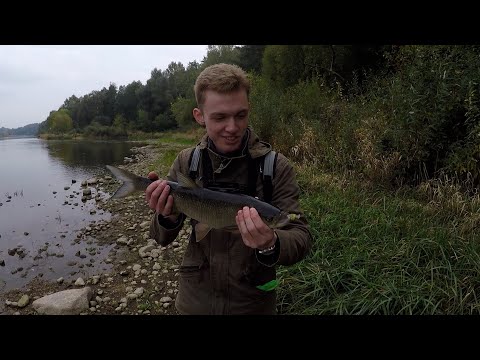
(27, 130)
(392, 114)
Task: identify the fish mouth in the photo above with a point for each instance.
(281, 220)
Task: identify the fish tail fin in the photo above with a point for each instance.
(131, 182)
(123, 191)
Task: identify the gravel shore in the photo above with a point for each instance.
(143, 278)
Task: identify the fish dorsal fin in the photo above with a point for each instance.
(185, 181)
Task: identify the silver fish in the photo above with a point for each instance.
(212, 209)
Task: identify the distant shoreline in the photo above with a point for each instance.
(17, 136)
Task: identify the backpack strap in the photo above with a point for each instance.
(253, 170)
(194, 162)
(267, 168)
(267, 171)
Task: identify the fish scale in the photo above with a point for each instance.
(217, 214)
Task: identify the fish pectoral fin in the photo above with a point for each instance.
(201, 230)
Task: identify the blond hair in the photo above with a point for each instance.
(222, 78)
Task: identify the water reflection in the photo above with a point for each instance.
(41, 209)
(87, 153)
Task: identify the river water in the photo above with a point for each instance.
(41, 210)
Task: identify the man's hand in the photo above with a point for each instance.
(158, 198)
(255, 233)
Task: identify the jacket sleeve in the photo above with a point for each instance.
(295, 238)
(162, 230)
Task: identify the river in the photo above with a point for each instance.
(41, 209)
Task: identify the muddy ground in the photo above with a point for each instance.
(143, 279)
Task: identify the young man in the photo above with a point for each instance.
(230, 272)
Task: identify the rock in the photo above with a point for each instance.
(80, 282)
(60, 280)
(2, 262)
(144, 250)
(138, 291)
(152, 242)
(122, 240)
(24, 300)
(67, 302)
(136, 267)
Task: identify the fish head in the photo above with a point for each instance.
(280, 219)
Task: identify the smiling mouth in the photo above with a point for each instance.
(230, 138)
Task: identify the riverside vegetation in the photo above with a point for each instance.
(410, 251)
(385, 143)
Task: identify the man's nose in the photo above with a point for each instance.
(231, 124)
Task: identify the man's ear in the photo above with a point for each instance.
(197, 114)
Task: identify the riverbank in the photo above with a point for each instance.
(143, 277)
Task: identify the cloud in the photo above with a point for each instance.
(36, 79)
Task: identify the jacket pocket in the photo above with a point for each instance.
(261, 277)
(188, 270)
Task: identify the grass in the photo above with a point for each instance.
(410, 251)
(185, 138)
(381, 252)
(171, 144)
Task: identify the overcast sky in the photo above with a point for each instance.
(36, 79)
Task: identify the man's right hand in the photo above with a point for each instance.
(158, 198)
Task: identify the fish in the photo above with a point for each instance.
(211, 209)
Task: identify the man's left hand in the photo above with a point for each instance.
(255, 233)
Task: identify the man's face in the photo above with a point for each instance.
(225, 117)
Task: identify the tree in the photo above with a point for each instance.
(59, 122)
(182, 110)
(127, 100)
(109, 99)
(216, 54)
(250, 57)
(283, 65)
